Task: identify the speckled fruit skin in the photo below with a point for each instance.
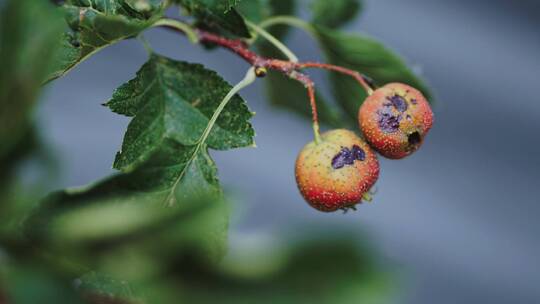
(326, 188)
(391, 127)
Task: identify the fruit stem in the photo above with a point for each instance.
(312, 102)
(310, 86)
(356, 75)
(367, 197)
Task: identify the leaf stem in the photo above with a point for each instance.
(248, 79)
(288, 20)
(179, 25)
(275, 42)
(146, 44)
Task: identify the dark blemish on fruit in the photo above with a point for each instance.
(344, 157)
(358, 153)
(414, 138)
(388, 122)
(409, 117)
(348, 156)
(414, 101)
(399, 103)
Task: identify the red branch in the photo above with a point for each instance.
(240, 48)
(291, 69)
(356, 75)
(310, 86)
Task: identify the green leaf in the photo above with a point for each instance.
(218, 13)
(255, 10)
(335, 13)
(367, 56)
(29, 33)
(172, 103)
(95, 24)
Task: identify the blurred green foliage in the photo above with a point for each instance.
(29, 35)
(335, 13)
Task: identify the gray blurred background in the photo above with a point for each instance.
(457, 222)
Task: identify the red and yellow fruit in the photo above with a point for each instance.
(395, 119)
(337, 172)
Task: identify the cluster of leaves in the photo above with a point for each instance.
(164, 212)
